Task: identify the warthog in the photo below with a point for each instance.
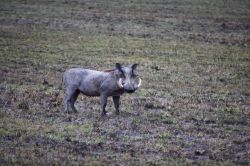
(100, 83)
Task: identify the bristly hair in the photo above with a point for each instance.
(109, 70)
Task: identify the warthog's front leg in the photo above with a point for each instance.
(116, 100)
(103, 101)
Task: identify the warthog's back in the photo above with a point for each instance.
(87, 81)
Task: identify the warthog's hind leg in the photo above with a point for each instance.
(68, 98)
(73, 100)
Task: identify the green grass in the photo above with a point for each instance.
(193, 106)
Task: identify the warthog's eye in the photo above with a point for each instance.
(122, 74)
(134, 75)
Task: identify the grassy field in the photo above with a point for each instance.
(194, 104)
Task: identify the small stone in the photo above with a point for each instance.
(200, 152)
(68, 139)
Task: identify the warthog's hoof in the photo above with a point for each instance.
(75, 111)
(104, 113)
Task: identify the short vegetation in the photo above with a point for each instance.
(194, 103)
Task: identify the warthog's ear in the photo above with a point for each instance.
(118, 66)
(134, 66)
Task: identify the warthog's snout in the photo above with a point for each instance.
(130, 90)
(131, 85)
(100, 83)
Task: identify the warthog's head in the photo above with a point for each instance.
(127, 77)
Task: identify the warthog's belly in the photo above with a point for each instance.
(90, 93)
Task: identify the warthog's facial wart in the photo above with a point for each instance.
(100, 83)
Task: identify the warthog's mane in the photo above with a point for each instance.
(109, 70)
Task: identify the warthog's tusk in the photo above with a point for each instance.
(120, 83)
(139, 84)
